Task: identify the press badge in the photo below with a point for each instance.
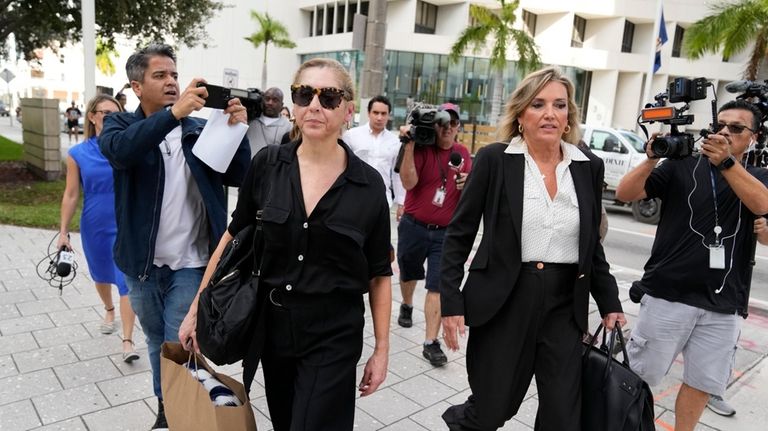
(439, 197)
(716, 256)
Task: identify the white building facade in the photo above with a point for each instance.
(605, 46)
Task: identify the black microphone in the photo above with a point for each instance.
(739, 86)
(455, 163)
(64, 262)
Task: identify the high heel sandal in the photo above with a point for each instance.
(107, 328)
(131, 356)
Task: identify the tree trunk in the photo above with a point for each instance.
(498, 89)
(264, 69)
(757, 55)
(372, 79)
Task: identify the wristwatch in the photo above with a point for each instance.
(727, 163)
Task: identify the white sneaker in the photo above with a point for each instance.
(720, 406)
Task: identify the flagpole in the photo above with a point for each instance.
(652, 59)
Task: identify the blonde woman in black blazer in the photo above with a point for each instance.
(527, 294)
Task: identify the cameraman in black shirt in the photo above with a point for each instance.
(695, 285)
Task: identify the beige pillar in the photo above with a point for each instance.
(42, 143)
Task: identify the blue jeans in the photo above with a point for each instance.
(160, 303)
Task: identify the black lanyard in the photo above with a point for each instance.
(442, 170)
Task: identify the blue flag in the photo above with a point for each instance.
(661, 40)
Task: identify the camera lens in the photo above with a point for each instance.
(662, 147)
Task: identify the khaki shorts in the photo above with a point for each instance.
(707, 340)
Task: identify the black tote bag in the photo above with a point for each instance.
(228, 308)
(614, 398)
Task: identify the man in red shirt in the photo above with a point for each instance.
(433, 187)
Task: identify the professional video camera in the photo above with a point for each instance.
(755, 93)
(423, 119)
(218, 98)
(677, 144)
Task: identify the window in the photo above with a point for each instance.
(629, 35)
(351, 16)
(329, 19)
(598, 141)
(319, 14)
(426, 18)
(340, 19)
(354, 8)
(529, 22)
(677, 45)
(579, 26)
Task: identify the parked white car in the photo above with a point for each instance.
(621, 150)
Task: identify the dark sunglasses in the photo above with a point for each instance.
(736, 129)
(452, 123)
(329, 97)
(103, 111)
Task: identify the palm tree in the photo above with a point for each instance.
(270, 31)
(498, 25)
(732, 27)
(104, 53)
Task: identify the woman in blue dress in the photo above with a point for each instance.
(87, 168)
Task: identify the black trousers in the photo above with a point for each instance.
(534, 333)
(310, 356)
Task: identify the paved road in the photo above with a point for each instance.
(629, 242)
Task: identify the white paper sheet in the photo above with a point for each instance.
(218, 142)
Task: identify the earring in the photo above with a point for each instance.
(567, 129)
(520, 128)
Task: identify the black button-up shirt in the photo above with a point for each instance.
(339, 248)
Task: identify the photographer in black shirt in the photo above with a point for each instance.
(695, 286)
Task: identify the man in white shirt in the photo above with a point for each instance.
(379, 147)
(269, 128)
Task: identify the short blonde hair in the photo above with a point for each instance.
(341, 73)
(89, 128)
(524, 94)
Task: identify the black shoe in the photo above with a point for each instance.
(405, 320)
(160, 422)
(434, 354)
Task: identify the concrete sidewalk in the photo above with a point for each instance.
(58, 372)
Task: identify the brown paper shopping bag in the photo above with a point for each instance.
(188, 405)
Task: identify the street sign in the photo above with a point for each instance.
(7, 75)
(231, 78)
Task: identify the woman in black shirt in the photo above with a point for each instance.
(326, 231)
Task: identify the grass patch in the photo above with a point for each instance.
(34, 204)
(10, 150)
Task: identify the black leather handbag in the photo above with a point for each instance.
(229, 306)
(614, 398)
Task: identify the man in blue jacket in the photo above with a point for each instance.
(170, 206)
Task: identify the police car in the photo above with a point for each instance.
(621, 150)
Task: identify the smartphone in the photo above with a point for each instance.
(218, 97)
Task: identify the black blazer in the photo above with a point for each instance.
(494, 193)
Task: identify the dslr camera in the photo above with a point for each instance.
(423, 121)
(677, 144)
(218, 98)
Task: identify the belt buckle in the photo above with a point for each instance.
(432, 226)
